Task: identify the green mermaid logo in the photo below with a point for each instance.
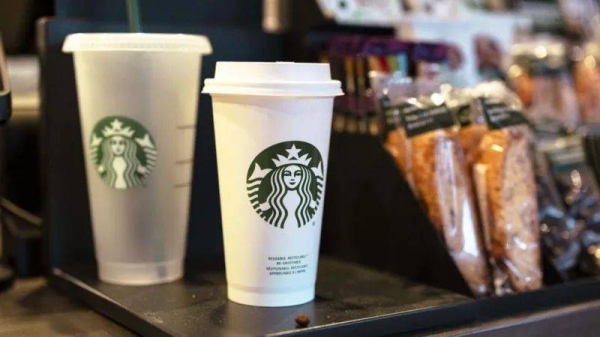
(285, 184)
(122, 151)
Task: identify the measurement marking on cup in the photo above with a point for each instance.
(186, 127)
(184, 161)
(182, 185)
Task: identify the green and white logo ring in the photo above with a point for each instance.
(285, 183)
(122, 152)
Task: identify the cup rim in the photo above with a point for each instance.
(106, 42)
(273, 79)
(330, 88)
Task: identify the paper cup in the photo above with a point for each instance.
(138, 95)
(272, 129)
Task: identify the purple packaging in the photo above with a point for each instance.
(430, 52)
(385, 46)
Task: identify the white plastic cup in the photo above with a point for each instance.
(138, 96)
(272, 129)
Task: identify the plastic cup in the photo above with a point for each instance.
(138, 96)
(272, 129)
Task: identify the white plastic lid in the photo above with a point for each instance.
(273, 79)
(137, 42)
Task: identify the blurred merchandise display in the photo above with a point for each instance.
(360, 63)
(511, 189)
(587, 82)
(480, 42)
(441, 8)
(455, 7)
(580, 16)
(569, 206)
(541, 77)
(361, 12)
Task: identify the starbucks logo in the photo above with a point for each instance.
(285, 183)
(122, 152)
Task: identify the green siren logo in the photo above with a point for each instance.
(285, 183)
(122, 151)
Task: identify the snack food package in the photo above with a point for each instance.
(506, 191)
(541, 77)
(472, 122)
(392, 91)
(587, 83)
(437, 170)
(579, 188)
(565, 221)
(580, 17)
(385, 58)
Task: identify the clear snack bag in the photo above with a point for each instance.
(587, 83)
(542, 79)
(578, 203)
(472, 123)
(392, 91)
(505, 183)
(441, 182)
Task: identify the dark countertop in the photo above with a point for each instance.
(579, 320)
(351, 300)
(32, 308)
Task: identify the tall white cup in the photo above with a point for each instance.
(272, 129)
(138, 96)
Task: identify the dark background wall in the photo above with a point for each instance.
(205, 12)
(17, 23)
(18, 17)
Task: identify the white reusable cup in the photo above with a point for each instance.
(138, 99)
(272, 129)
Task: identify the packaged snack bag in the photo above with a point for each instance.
(392, 91)
(569, 205)
(437, 169)
(504, 179)
(472, 123)
(587, 83)
(542, 78)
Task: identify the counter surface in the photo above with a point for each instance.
(32, 308)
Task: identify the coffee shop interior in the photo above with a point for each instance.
(300, 168)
